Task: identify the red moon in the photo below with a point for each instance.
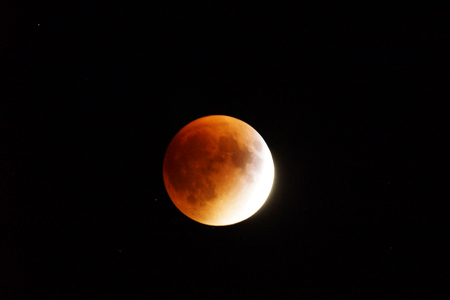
(218, 170)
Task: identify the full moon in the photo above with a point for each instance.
(218, 170)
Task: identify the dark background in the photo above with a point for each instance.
(351, 99)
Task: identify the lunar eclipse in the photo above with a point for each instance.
(218, 170)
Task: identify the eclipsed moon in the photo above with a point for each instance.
(218, 170)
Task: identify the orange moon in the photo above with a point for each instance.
(218, 170)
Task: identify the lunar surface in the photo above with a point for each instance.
(218, 170)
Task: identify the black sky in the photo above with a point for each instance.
(351, 99)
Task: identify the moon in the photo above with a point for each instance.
(218, 170)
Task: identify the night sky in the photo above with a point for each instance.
(352, 100)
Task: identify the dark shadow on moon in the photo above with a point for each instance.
(190, 164)
(186, 170)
